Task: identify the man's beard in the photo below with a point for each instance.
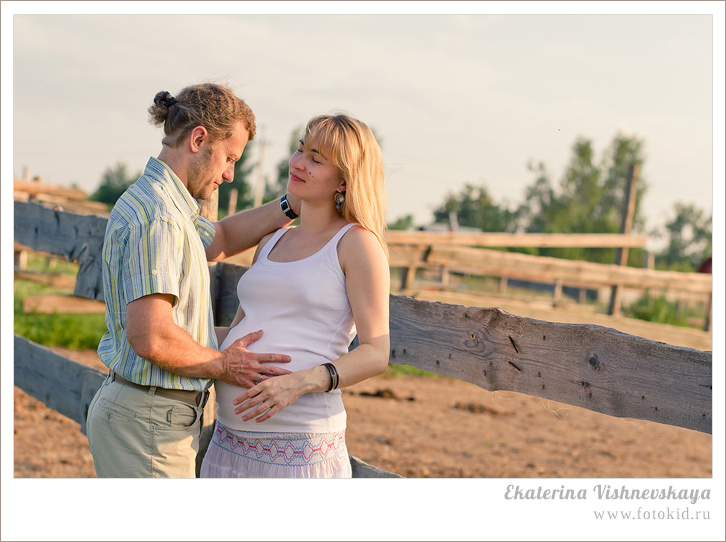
(199, 176)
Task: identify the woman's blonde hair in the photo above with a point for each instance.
(350, 146)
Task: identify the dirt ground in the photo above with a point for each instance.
(430, 427)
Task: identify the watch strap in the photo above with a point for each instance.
(285, 206)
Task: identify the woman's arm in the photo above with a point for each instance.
(368, 285)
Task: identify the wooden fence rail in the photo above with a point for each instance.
(566, 240)
(486, 262)
(589, 366)
(482, 261)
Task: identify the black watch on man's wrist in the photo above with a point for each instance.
(285, 206)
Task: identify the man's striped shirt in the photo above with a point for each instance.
(155, 244)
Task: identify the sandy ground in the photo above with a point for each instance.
(434, 427)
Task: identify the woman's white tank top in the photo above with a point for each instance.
(303, 309)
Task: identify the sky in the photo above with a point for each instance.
(458, 93)
(455, 99)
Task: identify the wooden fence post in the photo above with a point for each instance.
(557, 295)
(21, 259)
(709, 313)
(408, 276)
(232, 207)
(621, 255)
(503, 282)
(445, 275)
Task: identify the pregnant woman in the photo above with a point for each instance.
(311, 288)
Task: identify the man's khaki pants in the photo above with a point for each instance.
(134, 433)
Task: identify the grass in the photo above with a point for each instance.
(660, 310)
(76, 331)
(43, 264)
(394, 371)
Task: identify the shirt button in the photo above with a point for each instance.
(153, 271)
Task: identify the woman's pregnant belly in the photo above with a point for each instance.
(312, 412)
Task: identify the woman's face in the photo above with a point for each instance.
(313, 178)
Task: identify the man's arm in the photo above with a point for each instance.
(243, 230)
(152, 333)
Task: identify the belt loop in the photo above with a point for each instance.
(152, 390)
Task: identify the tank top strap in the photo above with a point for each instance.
(341, 232)
(331, 249)
(272, 242)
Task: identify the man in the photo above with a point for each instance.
(161, 345)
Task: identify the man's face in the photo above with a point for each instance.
(215, 163)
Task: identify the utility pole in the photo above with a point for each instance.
(621, 255)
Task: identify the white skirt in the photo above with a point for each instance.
(247, 454)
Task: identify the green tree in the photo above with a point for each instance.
(274, 190)
(114, 182)
(402, 223)
(242, 170)
(589, 199)
(689, 239)
(475, 208)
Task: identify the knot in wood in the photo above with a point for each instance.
(594, 362)
(472, 341)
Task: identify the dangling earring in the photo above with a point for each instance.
(339, 199)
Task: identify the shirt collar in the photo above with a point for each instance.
(161, 172)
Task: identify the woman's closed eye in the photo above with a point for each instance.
(311, 154)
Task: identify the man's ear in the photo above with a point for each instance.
(198, 138)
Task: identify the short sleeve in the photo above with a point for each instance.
(206, 230)
(153, 258)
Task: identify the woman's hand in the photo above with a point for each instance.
(272, 394)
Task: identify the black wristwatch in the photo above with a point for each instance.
(285, 206)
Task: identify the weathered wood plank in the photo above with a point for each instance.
(483, 261)
(38, 187)
(77, 237)
(581, 240)
(225, 278)
(361, 469)
(588, 366)
(56, 303)
(60, 383)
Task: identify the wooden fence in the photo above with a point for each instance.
(588, 366)
(411, 252)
